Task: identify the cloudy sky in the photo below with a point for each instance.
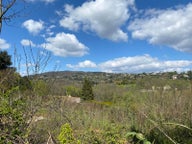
(131, 36)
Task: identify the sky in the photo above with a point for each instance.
(119, 36)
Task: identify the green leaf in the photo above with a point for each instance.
(131, 134)
(140, 136)
(146, 142)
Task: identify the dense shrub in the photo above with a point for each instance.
(12, 121)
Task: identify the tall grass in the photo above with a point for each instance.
(163, 116)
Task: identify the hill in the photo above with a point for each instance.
(103, 77)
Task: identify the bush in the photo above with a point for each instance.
(66, 135)
(12, 120)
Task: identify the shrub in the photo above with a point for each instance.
(12, 122)
(66, 135)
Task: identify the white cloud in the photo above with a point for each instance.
(49, 31)
(84, 64)
(145, 63)
(136, 64)
(4, 44)
(26, 42)
(33, 27)
(171, 27)
(65, 45)
(104, 17)
(46, 1)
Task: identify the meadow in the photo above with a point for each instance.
(141, 110)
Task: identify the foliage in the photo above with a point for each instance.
(8, 79)
(172, 133)
(40, 88)
(87, 91)
(12, 120)
(107, 133)
(13, 124)
(25, 84)
(190, 75)
(72, 90)
(66, 135)
(112, 134)
(5, 60)
(137, 138)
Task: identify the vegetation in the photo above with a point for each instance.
(116, 108)
(5, 60)
(66, 135)
(12, 120)
(87, 92)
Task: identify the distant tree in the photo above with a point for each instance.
(5, 60)
(87, 91)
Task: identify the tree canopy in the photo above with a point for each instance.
(5, 60)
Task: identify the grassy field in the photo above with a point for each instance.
(144, 110)
(162, 112)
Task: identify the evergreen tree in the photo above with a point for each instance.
(87, 91)
(5, 60)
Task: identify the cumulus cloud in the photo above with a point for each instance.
(103, 17)
(26, 42)
(34, 27)
(171, 27)
(84, 64)
(4, 44)
(64, 44)
(143, 63)
(136, 64)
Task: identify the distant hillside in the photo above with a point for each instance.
(79, 76)
(102, 77)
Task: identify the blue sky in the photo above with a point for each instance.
(128, 36)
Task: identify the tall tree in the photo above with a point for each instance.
(87, 91)
(5, 60)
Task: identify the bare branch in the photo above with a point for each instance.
(3, 12)
(4, 8)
